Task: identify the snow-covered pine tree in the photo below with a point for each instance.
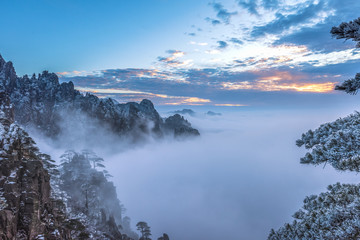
(350, 30)
(334, 214)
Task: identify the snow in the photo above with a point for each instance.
(336, 143)
(40, 237)
(13, 173)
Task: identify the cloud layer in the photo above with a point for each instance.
(229, 183)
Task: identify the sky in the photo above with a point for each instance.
(237, 53)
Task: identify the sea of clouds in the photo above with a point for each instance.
(241, 178)
(238, 180)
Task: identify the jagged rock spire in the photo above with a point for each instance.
(2, 62)
(7, 71)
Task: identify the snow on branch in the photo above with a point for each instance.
(336, 143)
(350, 30)
(347, 31)
(334, 214)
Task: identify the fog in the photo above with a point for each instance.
(241, 178)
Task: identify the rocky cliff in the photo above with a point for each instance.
(27, 210)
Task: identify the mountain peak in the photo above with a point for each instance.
(147, 103)
(2, 61)
(7, 70)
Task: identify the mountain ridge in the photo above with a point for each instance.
(42, 102)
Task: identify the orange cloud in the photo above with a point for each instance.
(138, 96)
(71, 73)
(107, 90)
(230, 105)
(281, 81)
(189, 101)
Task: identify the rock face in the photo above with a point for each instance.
(42, 102)
(180, 126)
(26, 209)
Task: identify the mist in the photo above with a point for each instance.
(238, 180)
(241, 178)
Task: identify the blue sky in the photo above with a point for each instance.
(218, 53)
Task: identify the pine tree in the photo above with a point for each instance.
(144, 229)
(350, 30)
(334, 214)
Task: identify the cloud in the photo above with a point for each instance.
(270, 4)
(285, 22)
(296, 24)
(210, 86)
(199, 43)
(230, 105)
(176, 53)
(236, 41)
(73, 73)
(213, 51)
(222, 13)
(249, 5)
(134, 96)
(173, 59)
(227, 183)
(317, 37)
(214, 22)
(269, 85)
(281, 81)
(190, 101)
(222, 44)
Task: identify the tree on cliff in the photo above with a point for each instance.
(164, 237)
(91, 197)
(144, 229)
(334, 214)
